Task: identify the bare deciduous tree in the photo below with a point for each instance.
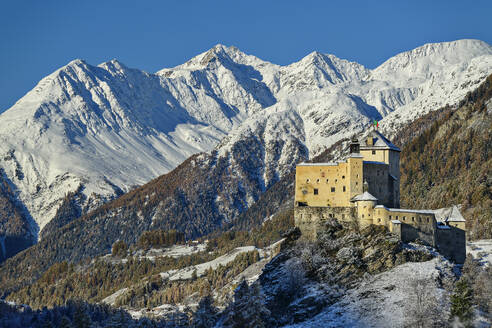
(423, 308)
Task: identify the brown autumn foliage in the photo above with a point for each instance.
(446, 159)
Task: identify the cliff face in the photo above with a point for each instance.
(15, 224)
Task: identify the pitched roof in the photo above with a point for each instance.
(405, 210)
(365, 196)
(449, 214)
(379, 141)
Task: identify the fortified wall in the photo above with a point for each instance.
(364, 189)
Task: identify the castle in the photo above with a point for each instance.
(365, 189)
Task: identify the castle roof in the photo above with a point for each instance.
(405, 210)
(317, 164)
(365, 196)
(378, 142)
(449, 214)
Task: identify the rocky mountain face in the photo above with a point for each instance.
(15, 230)
(99, 131)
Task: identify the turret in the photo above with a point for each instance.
(365, 204)
(354, 145)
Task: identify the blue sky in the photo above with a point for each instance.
(37, 37)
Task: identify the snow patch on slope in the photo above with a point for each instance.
(380, 301)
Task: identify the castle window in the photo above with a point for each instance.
(327, 180)
(390, 217)
(307, 180)
(404, 218)
(374, 152)
(343, 176)
(336, 180)
(343, 188)
(362, 215)
(317, 180)
(413, 219)
(356, 183)
(397, 217)
(315, 191)
(332, 189)
(427, 220)
(357, 175)
(420, 219)
(379, 220)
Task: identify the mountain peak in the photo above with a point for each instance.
(113, 65)
(430, 56)
(77, 61)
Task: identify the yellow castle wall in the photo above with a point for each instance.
(328, 185)
(459, 225)
(379, 156)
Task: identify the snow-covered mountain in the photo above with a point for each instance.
(104, 129)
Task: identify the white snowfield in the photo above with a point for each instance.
(381, 300)
(175, 251)
(187, 273)
(109, 127)
(111, 299)
(481, 250)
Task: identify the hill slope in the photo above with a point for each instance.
(449, 160)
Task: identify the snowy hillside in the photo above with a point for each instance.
(108, 128)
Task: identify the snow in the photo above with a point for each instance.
(112, 298)
(449, 214)
(317, 164)
(481, 250)
(109, 126)
(379, 300)
(366, 196)
(405, 210)
(186, 273)
(175, 251)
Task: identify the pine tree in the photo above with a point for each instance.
(248, 309)
(65, 322)
(461, 302)
(205, 314)
(80, 318)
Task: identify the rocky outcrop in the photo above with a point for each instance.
(306, 277)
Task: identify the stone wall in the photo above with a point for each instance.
(310, 220)
(451, 242)
(380, 184)
(424, 233)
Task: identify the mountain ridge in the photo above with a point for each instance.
(106, 129)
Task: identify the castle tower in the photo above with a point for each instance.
(377, 148)
(355, 170)
(365, 204)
